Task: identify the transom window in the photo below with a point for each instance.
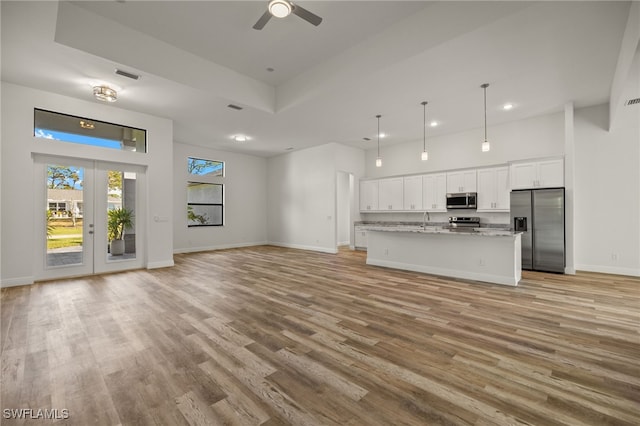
(85, 131)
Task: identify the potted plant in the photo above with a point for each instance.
(118, 221)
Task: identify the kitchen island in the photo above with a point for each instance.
(483, 254)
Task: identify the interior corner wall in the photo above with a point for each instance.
(17, 174)
(245, 201)
(302, 195)
(607, 190)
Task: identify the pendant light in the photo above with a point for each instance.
(485, 145)
(425, 154)
(378, 160)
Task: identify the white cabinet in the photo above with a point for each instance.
(493, 189)
(434, 192)
(412, 193)
(390, 194)
(368, 195)
(538, 174)
(360, 237)
(461, 181)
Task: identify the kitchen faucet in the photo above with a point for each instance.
(425, 217)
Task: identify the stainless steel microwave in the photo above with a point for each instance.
(462, 200)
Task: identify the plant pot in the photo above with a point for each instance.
(117, 247)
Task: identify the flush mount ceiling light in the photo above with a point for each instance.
(425, 154)
(240, 138)
(507, 107)
(378, 160)
(105, 93)
(434, 124)
(485, 145)
(279, 8)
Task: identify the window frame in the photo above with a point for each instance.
(220, 204)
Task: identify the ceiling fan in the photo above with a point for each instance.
(282, 9)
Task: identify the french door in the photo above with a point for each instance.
(81, 201)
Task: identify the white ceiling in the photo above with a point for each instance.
(329, 82)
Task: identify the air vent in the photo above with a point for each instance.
(232, 106)
(635, 101)
(127, 74)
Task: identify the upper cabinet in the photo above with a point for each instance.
(461, 181)
(390, 194)
(493, 189)
(538, 174)
(412, 193)
(434, 192)
(368, 195)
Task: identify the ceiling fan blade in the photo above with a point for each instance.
(312, 18)
(262, 21)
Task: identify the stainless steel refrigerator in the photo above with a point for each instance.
(539, 215)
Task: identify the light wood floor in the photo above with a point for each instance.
(272, 336)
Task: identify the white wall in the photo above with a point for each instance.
(18, 185)
(302, 195)
(245, 201)
(607, 190)
(535, 137)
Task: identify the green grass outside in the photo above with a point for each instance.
(65, 230)
(61, 231)
(64, 242)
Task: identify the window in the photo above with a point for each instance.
(200, 167)
(84, 131)
(204, 204)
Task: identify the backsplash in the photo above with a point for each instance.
(485, 218)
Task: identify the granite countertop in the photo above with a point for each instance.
(493, 230)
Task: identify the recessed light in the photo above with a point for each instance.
(366, 139)
(289, 149)
(240, 138)
(236, 107)
(434, 124)
(271, 69)
(383, 135)
(507, 107)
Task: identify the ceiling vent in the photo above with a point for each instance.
(635, 101)
(232, 106)
(127, 74)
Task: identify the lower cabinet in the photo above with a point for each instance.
(360, 238)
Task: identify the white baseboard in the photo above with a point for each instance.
(304, 247)
(15, 282)
(217, 247)
(609, 270)
(161, 264)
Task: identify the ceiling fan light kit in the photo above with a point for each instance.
(280, 8)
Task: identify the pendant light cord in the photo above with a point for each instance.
(378, 117)
(484, 86)
(424, 126)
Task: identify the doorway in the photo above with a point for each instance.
(93, 219)
(344, 201)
